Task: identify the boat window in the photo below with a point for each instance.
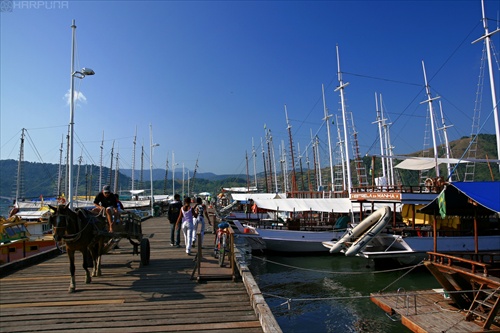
(10, 231)
(33, 247)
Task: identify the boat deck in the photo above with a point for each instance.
(159, 297)
(425, 311)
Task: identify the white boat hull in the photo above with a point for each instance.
(291, 241)
(411, 250)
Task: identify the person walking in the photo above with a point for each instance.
(200, 209)
(186, 216)
(174, 209)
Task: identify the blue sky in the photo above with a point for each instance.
(209, 74)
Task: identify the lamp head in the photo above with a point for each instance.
(87, 71)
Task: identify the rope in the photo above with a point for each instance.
(340, 273)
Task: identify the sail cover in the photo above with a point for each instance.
(424, 163)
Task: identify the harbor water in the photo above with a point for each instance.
(330, 293)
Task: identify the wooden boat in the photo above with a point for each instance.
(469, 279)
(17, 243)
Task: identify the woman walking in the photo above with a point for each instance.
(200, 210)
(186, 216)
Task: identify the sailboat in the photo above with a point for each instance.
(409, 243)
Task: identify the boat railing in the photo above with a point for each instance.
(462, 264)
(397, 189)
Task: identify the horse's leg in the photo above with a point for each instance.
(95, 259)
(71, 256)
(99, 249)
(85, 254)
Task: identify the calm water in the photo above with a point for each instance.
(340, 282)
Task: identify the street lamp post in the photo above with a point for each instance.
(151, 164)
(80, 75)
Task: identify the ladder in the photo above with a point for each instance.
(485, 306)
(470, 167)
(358, 161)
(424, 174)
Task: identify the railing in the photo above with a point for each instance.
(459, 263)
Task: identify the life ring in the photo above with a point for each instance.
(61, 201)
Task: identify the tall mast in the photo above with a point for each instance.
(379, 123)
(59, 175)
(294, 178)
(264, 161)
(133, 159)
(340, 88)
(388, 145)
(111, 165)
(19, 183)
(487, 38)
(301, 171)
(315, 159)
(327, 120)
(100, 164)
(254, 156)
(166, 178)
(341, 148)
(117, 172)
(431, 114)
(447, 143)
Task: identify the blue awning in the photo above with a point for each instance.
(468, 198)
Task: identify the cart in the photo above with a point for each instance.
(131, 229)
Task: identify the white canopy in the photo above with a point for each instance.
(425, 163)
(32, 215)
(256, 196)
(337, 205)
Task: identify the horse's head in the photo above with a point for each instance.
(60, 220)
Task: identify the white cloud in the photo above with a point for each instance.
(78, 97)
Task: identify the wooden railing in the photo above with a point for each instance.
(460, 263)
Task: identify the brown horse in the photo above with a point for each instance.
(81, 232)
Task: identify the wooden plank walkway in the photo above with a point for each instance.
(425, 311)
(129, 297)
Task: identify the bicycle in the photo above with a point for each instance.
(221, 248)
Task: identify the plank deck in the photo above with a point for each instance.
(425, 311)
(129, 297)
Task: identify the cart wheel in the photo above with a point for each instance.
(145, 251)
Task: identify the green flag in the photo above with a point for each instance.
(442, 205)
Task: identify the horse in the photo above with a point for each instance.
(81, 232)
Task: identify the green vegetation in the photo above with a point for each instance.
(41, 178)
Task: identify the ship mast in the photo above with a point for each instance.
(487, 39)
(340, 88)
(431, 114)
(327, 120)
(294, 179)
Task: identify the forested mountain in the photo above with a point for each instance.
(41, 178)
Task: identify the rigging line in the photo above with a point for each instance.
(410, 293)
(381, 79)
(402, 276)
(330, 272)
(471, 142)
(455, 51)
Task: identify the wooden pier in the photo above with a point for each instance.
(159, 297)
(425, 311)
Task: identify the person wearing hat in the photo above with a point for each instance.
(106, 201)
